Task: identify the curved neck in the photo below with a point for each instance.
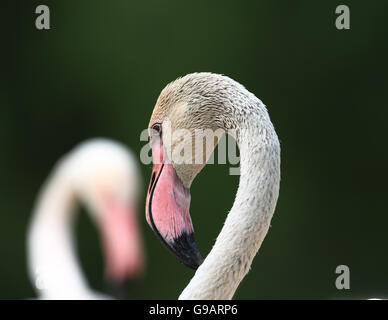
(53, 267)
(248, 221)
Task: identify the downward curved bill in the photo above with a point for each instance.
(167, 209)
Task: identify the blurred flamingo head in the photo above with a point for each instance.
(106, 179)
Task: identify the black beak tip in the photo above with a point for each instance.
(119, 289)
(185, 249)
(193, 263)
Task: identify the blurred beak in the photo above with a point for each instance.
(119, 290)
(167, 209)
(121, 242)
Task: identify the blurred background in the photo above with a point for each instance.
(99, 71)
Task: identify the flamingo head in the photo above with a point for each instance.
(186, 107)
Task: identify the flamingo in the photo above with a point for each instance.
(200, 101)
(102, 174)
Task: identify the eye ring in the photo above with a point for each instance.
(156, 131)
(157, 127)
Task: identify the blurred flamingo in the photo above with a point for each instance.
(103, 175)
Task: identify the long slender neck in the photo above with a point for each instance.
(248, 221)
(53, 266)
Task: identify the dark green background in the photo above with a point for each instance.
(98, 72)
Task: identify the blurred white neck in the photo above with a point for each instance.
(53, 267)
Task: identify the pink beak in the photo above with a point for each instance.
(167, 209)
(121, 242)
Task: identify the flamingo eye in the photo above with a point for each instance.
(157, 127)
(156, 130)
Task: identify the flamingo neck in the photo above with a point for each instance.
(53, 267)
(249, 219)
